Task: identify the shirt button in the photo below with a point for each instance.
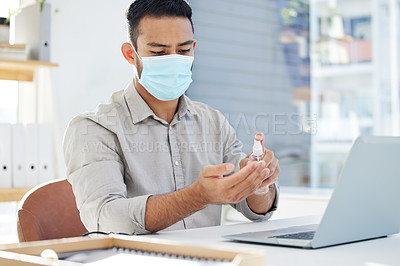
(176, 163)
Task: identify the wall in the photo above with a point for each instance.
(86, 37)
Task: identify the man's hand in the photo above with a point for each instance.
(210, 188)
(263, 203)
(271, 163)
(213, 188)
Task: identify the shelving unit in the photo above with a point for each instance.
(12, 194)
(21, 70)
(351, 95)
(344, 70)
(25, 71)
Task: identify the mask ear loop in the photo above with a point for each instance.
(134, 49)
(138, 56)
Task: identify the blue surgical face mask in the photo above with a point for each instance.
(166, 77)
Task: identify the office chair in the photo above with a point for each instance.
(49, 211)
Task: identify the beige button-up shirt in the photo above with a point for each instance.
(120, 154)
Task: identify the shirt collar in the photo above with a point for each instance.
(185, 106)
(139, 110)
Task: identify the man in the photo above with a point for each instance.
(152, 159)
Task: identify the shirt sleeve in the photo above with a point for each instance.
(244, 208)
(96, 173)
(233, 154)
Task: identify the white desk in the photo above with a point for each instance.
(377, 252)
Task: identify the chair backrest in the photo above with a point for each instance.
(49, 211)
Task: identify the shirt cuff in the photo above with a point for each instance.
(137, 210)
(244, 208)
(124, 216)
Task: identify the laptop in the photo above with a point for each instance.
(364, 204)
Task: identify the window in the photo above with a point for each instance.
(355, 71)
(252, 64)
(312, 75)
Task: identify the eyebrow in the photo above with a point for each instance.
(155, 44)
(186, 43)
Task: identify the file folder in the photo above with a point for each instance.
(46, 172)
(32, 154)
(5, 156)
(18, 156)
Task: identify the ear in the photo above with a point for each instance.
(127, 52)
(194, 44)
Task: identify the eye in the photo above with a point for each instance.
(157, 52)
(185, 51)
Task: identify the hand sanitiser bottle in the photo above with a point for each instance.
(258, 155)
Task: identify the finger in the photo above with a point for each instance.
(252, 180)
(267, 182)
(268, 156)
(238, 177)
(272, 179)
(272, 166)
(251, 187)
(244, 162)
(217, 170)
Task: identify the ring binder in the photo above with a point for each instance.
(5, 156)
(146, 257)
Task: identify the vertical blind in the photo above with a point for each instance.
(245, 67)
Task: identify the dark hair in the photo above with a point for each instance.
(156, 8)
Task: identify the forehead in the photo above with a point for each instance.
(165, 29)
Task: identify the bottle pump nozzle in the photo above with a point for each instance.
(257, 147)
(257, 155)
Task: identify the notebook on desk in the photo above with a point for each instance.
(364, 204)
(124, 250)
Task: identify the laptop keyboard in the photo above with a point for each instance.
(302, 235)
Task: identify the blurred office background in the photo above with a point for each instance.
(311, 74)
